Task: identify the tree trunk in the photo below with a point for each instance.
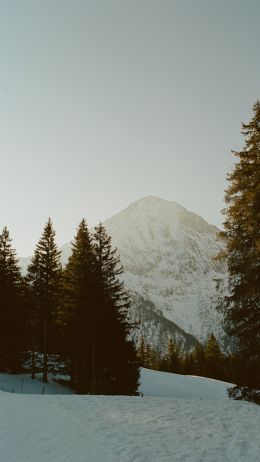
(33, 350)
(45, 354)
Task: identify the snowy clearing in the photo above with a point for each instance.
(23, 384)
(56, 428)
(166, 385)
(152, 383)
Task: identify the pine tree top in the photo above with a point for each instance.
(9, 267)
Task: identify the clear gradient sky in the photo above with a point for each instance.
(103, 102)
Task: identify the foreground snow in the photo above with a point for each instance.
(42, 428)
(110, 429)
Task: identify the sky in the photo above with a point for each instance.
(103, 102)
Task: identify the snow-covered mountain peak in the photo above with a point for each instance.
(165, 228)
(153, 212)
(150, 206)
(168, 257)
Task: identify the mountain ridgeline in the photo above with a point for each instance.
(169, 270)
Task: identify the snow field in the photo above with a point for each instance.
(126, 429)
(167, 385)
(179, 419)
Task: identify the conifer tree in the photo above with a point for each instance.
(173, 357)
(115, 369)
(242, 237)
(45, 279)
(148, 356)
(199, 359)
(151, 358)
(11, 316)
(80, 284)
(33, 305)
(214, 359)
(188, 363)
(141, 353)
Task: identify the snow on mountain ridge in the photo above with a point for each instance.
(167, 253)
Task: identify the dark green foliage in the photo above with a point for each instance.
(213, 359)
(141, 351)
(115, 366)
(205, 360)
(173, 357)
(189, 366)
(242, 237)
(199, 360)
(152, 358)
(80, 289)
(45, 281)
(208, 361)
(11, 307)
(103, 357)
(148, 357)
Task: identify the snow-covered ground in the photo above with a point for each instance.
(152, 383)
(166, 385)
(23, 384)
(59, 428)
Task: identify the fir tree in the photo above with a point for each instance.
(115, 365)
(199, 360)
(151, 358)
(80, 284)
(11, 315)
(34, 281)
(214, 359)
(173, 357)
(242, 237)
(188, 363)
(141, 353)
(148, 356)
(45, 278)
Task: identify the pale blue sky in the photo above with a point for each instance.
(103, 102)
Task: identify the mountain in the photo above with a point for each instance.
(167, 253)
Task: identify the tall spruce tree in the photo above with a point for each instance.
(214, 359)
(242, 236)
(115, 364)
(80, 288)
(141, 353)
(11, 315)
(173, 356)
(199, 359)
(45, 279)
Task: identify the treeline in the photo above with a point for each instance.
(205, 360)
(76, 314)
